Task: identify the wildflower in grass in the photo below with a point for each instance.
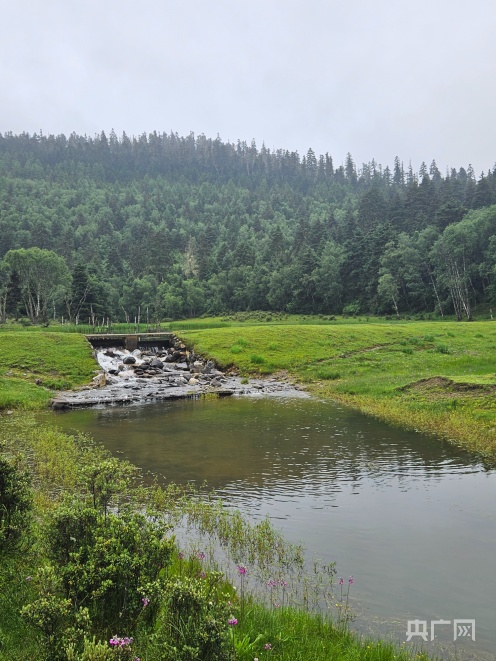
(115, 641)
(180, 555)
(341, 580)
(242, 572)
(271, 583)
(351, 580)
(201, 555)
(232, 622)
(145, 601)
(29, 578)
(267, 646)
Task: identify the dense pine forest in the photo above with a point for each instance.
(165, 226)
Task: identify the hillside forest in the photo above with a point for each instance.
(163, 227)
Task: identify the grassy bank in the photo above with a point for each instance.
(33, 364)
(438, 377)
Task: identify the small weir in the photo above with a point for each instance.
(132, 341)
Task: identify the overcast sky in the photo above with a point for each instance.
(376, 78)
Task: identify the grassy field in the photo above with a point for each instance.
(435, 377)
(33, 364)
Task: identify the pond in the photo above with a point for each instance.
(413, 519)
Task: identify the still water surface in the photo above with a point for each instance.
(412, 518)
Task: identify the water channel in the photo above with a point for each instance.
(413, 519)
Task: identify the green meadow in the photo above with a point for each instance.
(34, 364)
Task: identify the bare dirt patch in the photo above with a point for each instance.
(441, 386)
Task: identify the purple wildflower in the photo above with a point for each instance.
(351, 580)
(145, 601)
(267, 646)
(201, 555)
(121, 642)
(341, 580)
(242, 570)
(232, 622)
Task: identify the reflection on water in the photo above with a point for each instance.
(412, 518)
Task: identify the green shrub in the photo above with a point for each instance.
(15, 504)
(106, 575)
(108, 562)
(194, 622)
(442, 348)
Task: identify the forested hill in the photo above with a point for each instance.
(189, 225)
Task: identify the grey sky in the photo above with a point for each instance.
(375, 78)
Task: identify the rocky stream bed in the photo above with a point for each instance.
(155, 374)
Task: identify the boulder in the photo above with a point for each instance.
(99, 381)
(209, 367)
(129, 360)
(59, 404)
